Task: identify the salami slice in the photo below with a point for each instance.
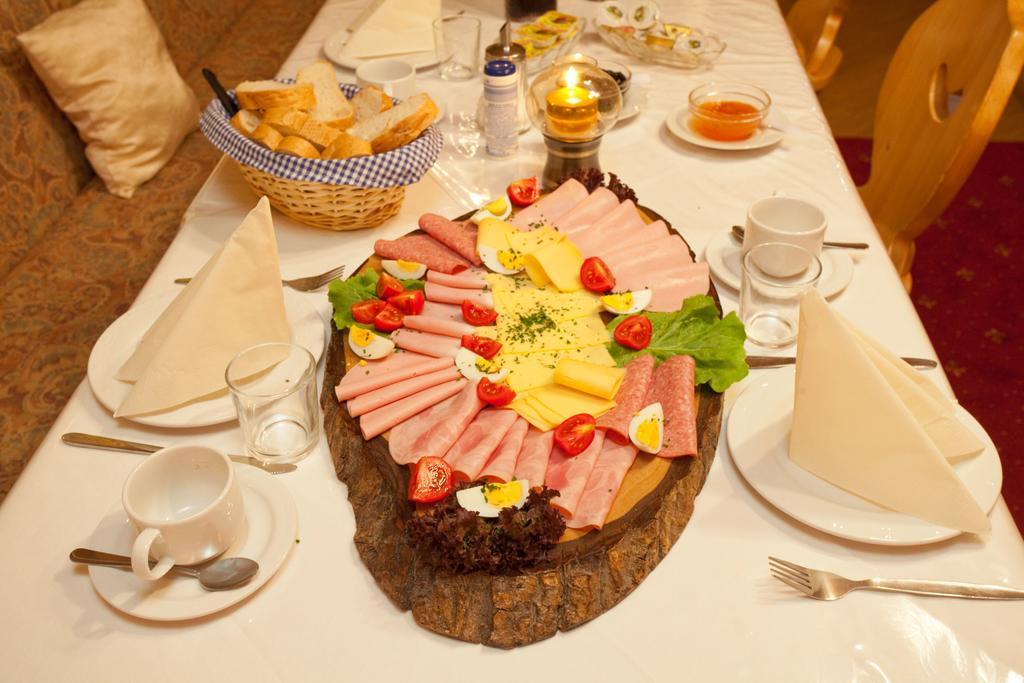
(459, 236)
(421, 249)
(672, 386)
(630, 398)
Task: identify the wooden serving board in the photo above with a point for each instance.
(586, 574)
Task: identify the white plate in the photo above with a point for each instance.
(272, 525)
(723, 255)
(678, 122)
(632, 103)
(119, 341)
(758, 435)
(336, 42)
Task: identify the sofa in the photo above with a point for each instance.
(72, 256)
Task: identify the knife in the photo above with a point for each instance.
(95, 441)
(225, 99)
(779, 361)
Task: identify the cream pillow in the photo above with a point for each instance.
(106, 66)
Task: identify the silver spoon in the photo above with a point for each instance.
(738, 231)
(220, 575)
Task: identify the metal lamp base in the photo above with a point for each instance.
(565, 157)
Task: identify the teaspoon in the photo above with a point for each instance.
(738, 231)
(223, 574)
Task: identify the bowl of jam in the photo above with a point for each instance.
(728, 111)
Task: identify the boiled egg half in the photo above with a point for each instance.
(500, 208)
(493, 247)
(404, 270)
(368, 345)
(647, 428)
(474, 366)
(627, 303)
(489, 500)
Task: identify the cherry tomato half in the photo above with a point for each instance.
(576, 433)
(475, 314)
(388, 286)
(430, 480)
(597, 276)
(366, 310)
(481, 346)
(494, 393)
(634, 332)
(409, 302)
(524, 191)
(389, 319)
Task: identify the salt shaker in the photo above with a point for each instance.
(501, 106)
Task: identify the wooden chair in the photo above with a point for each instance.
(942, 96)
(813, 24)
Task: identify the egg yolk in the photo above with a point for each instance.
(497, 207)
(503, 495)
(648, 432)
(361, 337)
(487, 366)
(407, 266)
(619, 302)
(510, 259)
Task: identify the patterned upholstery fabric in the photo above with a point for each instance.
(72, 256)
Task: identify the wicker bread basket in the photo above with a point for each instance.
(334, 194)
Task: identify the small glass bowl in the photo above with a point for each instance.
(612, 68)
(728, 112)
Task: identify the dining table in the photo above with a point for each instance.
(710, 611)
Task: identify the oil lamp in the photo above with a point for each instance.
(573, 103)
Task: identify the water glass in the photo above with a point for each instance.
(770, 302)
(274, 390)
(457, 47)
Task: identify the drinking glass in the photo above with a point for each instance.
(457, 46)
(775, 275)
(274, 389)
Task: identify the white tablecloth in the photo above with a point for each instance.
(709, 611)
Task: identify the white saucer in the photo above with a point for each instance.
(335, 43)
(632, 103)
(678, 121)
(119, 341)
(272, 527)
(723, 256)
(758, 436)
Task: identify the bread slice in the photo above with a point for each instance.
(286, 121)
(369, 102)
(267, 136)
(298, 147)
(245, 121)
(271, 94)
(345, 146)
(332, 107)
(399, 125)
(319, 134)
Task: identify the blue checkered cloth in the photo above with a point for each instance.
(402, 166)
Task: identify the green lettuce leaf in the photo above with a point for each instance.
(716, 344)
(343, 293)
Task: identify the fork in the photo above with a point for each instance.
(822, 585)
(303, 284)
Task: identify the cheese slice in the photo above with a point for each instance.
(532, 240)
(519, 337)
(528, 413)
(528, 371)
(558, 263)
(589, 378)
(852, 428)
(565, 402)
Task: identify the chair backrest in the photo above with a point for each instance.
(942, 96)
(813, 24)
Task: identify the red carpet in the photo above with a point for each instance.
(968, 277)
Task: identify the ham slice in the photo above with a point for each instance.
(670, 293)
(454, 295)
(613, 462)
(532, 462)
(673, 387)
(372, 400)
(569, 475)
(551, 207)
(442, 326)
(459, 236)
(622, 226)
(378, 373)
(502, 464)
(376, 422)
(448, 311)
(635, 251)
(654, 266)
(421, 249)
(467, 279)
(629, 399)
(478, 443)
(599, 203)
(434, 431)
(426, 343)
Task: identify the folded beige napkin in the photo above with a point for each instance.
(395, 27)
(235, 302)
(869, 423)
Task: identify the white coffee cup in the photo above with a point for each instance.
(186, 504)
(393, 76)
(788, 220)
